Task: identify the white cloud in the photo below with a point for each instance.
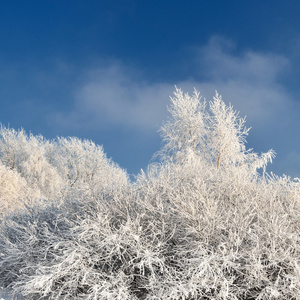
(222, 64)
(115, 96)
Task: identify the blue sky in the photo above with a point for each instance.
(104, 70)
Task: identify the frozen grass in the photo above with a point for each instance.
(193, 227)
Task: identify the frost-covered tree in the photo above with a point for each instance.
(215, 135)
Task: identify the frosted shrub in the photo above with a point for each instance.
(56, 169)
(82, 164)
(207, 222)
(14, 191)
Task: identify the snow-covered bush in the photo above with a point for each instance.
(84, 165)
(14, 191)
(207, 222)
(55, 169)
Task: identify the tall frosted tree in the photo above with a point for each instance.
(215, 134)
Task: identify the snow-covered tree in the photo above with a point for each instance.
(216, 135)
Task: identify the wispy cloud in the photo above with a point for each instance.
(250, 80)
(116, 96)
(222, 63)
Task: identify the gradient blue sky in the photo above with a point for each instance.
(104, 70)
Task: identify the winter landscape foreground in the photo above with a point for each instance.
(204, 222)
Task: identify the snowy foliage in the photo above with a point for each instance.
(13, 190)
(204, 223)
(34, 169)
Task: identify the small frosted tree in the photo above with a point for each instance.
(26, 154)
(57, 168)
(13, 147)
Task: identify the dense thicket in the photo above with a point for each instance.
(206, 222)
(34, 169)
